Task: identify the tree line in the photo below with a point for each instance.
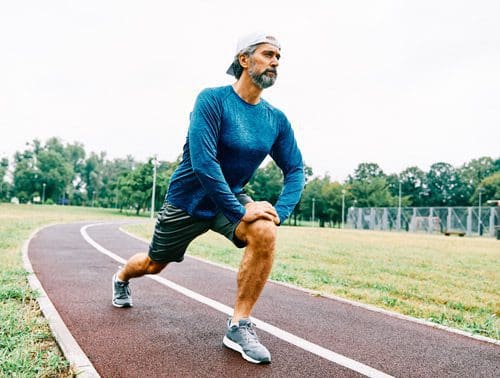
(59, 173)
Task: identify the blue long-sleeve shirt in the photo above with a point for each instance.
(227, 141)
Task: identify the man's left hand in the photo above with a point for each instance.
(260, 210)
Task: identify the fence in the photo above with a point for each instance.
(461, 220)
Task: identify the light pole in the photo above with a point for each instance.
(93, 198)
(314, 202)
(399, 197)
(398, 219)
(43, 192)
(479, 212)
(154, 189)
(343, 206)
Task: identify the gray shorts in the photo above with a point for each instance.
(175, 229)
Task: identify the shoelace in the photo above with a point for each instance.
(250, 335)
(124, 291)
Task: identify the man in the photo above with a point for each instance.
(232, 129)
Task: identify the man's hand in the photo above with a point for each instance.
(260, 210)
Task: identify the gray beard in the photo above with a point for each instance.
(262, 80)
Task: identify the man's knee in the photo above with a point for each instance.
(153, 267)
(262, 233)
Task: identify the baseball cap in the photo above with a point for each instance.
(251, 40)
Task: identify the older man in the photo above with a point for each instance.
(232, 129)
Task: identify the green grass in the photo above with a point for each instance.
(27, 348)
(447, 280)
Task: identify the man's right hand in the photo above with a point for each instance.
(260, 210)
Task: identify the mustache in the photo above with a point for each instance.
(273, 70)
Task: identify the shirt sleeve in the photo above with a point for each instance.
(203, 134)
(288, 157)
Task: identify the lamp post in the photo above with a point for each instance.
(343, 206)
(479, 212)
(93, 198)
(398, 218)
(154, 189)
(399, 197)
(43, 192)
(314, 202)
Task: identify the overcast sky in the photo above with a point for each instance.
(398, 83)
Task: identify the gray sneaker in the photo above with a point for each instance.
(121, 293)
(242, 338)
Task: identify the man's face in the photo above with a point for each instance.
(263, 64)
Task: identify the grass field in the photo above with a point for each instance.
(27, 348)
(448, 280)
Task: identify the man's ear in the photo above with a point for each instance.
(243, 58)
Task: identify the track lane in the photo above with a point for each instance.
(376, 340)
(228, 311)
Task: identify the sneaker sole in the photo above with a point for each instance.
(236, 347)
(113, 299)
(121, 306)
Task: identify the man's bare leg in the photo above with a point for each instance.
(139, 265)
(255, 266)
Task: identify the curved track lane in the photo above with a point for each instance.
(167, 333)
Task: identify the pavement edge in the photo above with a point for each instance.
(71, 350)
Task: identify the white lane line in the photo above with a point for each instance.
(277, 332)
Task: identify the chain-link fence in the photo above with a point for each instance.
(447, 220)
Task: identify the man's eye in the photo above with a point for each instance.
(271, 55)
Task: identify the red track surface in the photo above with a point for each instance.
(168, 334)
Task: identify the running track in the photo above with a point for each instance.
(176, 330)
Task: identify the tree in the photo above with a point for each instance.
(266, 184)
(372, 193)
(136, 187)
(39, 165)
(445, 186)
(75, 154)
(473, 172)
(326, 197)
(56, 172)
(370, 187)
(366, 172)
(4, 185)
(92, 173)
(24, 175)
(413, 186)
(105, 179)
(489, 187)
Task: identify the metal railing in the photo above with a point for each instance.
(460, 220)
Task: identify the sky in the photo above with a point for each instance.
(397, 83)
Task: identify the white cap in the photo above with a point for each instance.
(251, 40)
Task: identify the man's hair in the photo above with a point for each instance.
(237, 68)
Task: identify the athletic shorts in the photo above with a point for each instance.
(175, 229)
